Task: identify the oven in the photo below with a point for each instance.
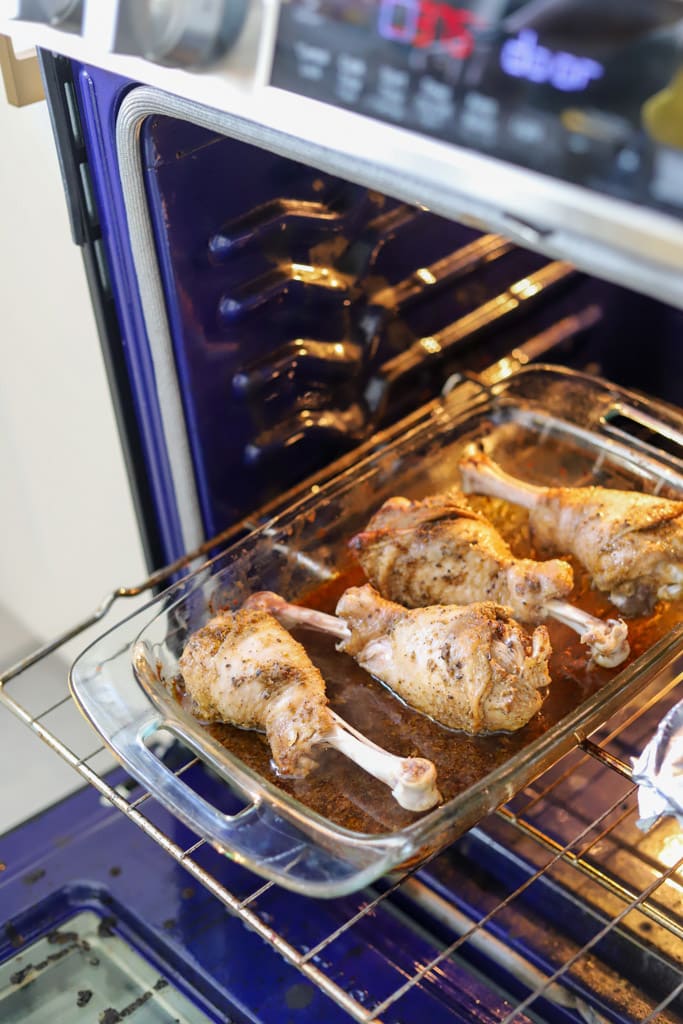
(326, 242)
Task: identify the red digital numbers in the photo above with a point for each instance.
(429, 24)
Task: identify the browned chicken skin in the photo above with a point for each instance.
(468, 667)
(631, 543)
(472, 668)
(440, 551)
(246, 669)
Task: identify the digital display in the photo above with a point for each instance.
(429, 24)
(437, 26)
(524, 56)
(587, 90)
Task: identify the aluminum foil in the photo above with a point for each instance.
(659, 772)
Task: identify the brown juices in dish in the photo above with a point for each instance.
(342, 793)
(338, 790)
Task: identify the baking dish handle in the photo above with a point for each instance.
(259, 836)
(256, 836)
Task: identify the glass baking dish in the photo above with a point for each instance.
(336, 831)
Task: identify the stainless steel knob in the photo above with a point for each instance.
(51, 12)
(181, 33)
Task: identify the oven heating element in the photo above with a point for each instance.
(565, 856)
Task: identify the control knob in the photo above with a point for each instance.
(68, 13)
(181, 33)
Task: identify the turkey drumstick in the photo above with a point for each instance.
(440, 551)
(246, 669)
(471, 668)
(630, 543)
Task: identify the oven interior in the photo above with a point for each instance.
(306, 315)
(307, 312)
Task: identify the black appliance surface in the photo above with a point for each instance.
(586, 93)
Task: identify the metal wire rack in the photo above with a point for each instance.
(563, 863)
(591, 848)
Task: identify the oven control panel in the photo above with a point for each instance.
(173, 33)
(177, 33)
(68, 13)
(588, 92)
(557, 123)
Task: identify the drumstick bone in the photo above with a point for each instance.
(631, 543)
(471, 667)
(247, 670)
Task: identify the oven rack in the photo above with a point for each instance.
(572, 831)
(627, 878)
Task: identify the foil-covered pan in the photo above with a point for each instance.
(659, 772)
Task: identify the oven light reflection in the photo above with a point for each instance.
(315, 275)
(430, 345)
(425, 275)
(525, 288)
(508, 364)
(671, 851)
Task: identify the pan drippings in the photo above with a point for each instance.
(342, 793)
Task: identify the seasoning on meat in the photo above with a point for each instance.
(471, 668)
(246, 669)
(630, 543)
(441, 551)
